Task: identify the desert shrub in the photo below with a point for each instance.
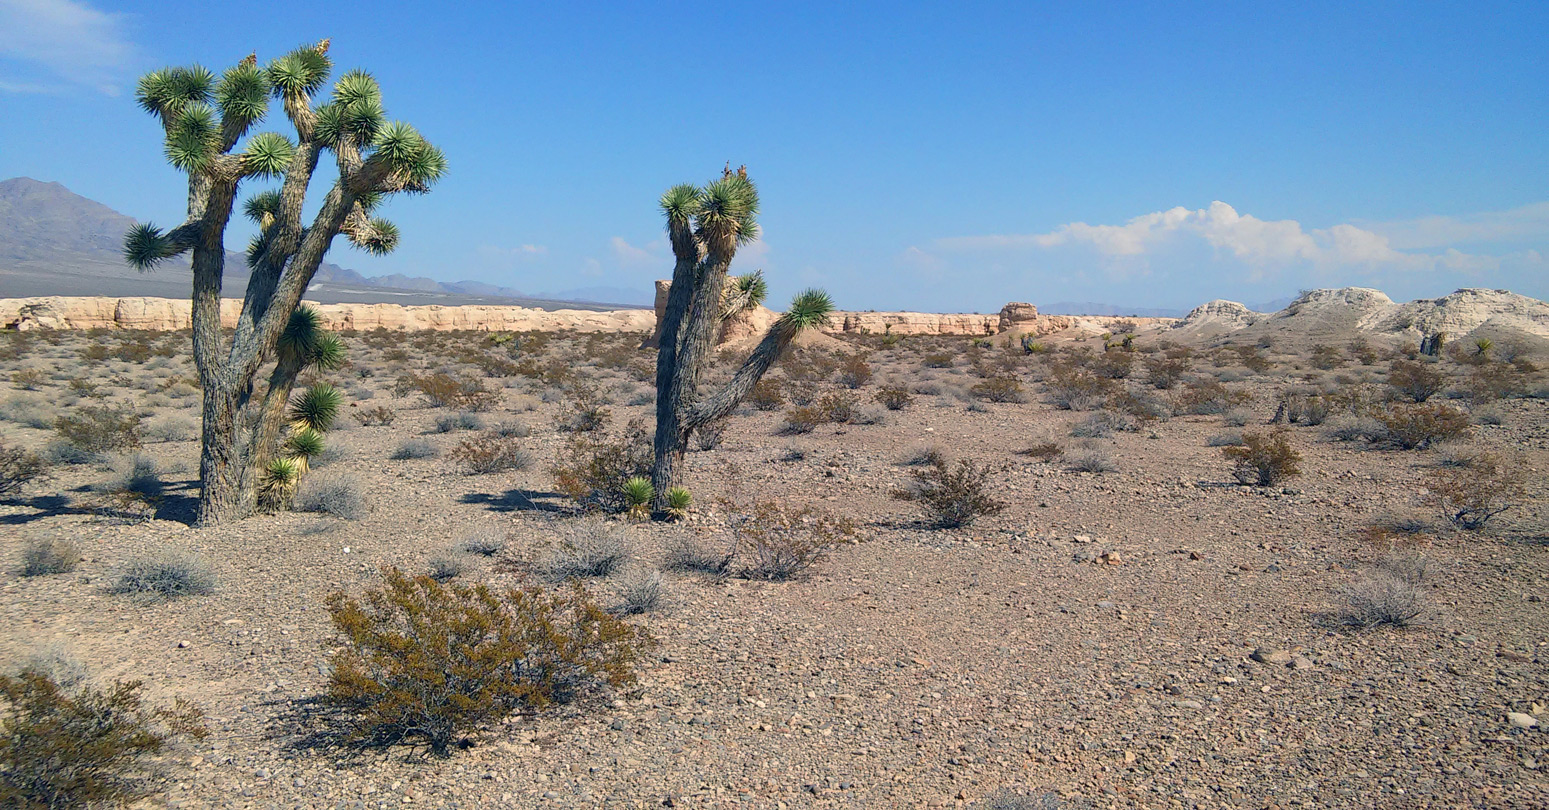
(952, 496)
(378, 416)
(1325, 357)
(776, 542)
(1418, 426)
(709, 436)
(593, 467)
(1381, 597)
(28, 379)
(1102, 424)
(838, 407)
(1491, 381)
(172, 429)
(45, 556)
(1470, 496)
(691, 553)
(1419, 381)
(1092, 458)
(29, 410)
(165, 574)
(1251, 358)
(1007, 800)
(1236, 417)
(999, 389)
(442, 390)
(1353, 429)
(640, 591)
(66, 747)
(587, 411)
(484, 542)
(854, 372)
(801, 420)
(924, 456)
(1167, 371)
(413, 449)
(593, 549)
(445, 568)
(490, 453)
(1297, 407)
(1139, 406)
(938, 360)
(1264, 459)
(1487, 416)
(894, 399)
(766, 395)
(1205, 396)
(100, 428)
(136, 484)
(424, 662)
(1114, 365)
(1230, 438)
(18, 468)
(1074, 388)
(339, 496)
(1043, 451)
(462, 420)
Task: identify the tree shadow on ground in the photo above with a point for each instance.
(520, 500)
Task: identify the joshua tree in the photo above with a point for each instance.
(705, 226)
(207, 123)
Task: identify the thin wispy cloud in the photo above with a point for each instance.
(1266, 245)
(52, 46)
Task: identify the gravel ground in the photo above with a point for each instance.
(1158, 636)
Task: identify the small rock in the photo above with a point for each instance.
(1266, 655)
(183, 645)
(1521, 720)
(1301, 662)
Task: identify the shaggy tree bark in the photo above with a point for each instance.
(204, 120)
(705, 226)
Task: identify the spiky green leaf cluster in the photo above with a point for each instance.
(304, 444)
(262, 207)
(242, 96)
(168, 91)
(679, 498)
(753, 288)
(327, 353)
(277, 484)
(299, 338)
(729, 206)
(145, 246)
(193, 138)
(681, 203)
(316, 408)
(381, 240)
(301, 71)
(810, 308)
(355, 113)
(637, 491)
(414, 161)
(268, 154)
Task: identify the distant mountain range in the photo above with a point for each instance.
(56, 242)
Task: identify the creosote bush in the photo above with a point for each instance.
(1264, 459)
(490, 454)
(894, 399)
(766, 395)
(425, 663)
(1418, 426)
(65, 747)
(593, 467)
(1470, 496)
(801, 420)
(44, 556)
(100, 429)
(775, 541)
(442, 390)
(413, 449)
(952, 496)
(18, 468)
(1419, 381)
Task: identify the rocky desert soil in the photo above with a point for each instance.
(1157, 635)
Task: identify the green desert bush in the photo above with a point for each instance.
(100, 429)
(424, 663)
(774, 541)
(1264, 459)
(63, 747)
(490, 453)
(1416, 380)
(952, 496)
(766, 395)
(894, 399)
(47, 555)
(1418, 426)
(18, 468)
(593, 467)
(1470, 495)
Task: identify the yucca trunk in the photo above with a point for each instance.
(705, 227)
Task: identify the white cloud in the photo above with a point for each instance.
(633, 256)
(66, 41)
(1266, 245)
(1516, 224)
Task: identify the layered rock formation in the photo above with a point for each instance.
(165, 314)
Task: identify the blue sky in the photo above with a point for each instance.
(940, 157)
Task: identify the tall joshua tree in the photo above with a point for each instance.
(706, 226)
(207, 123)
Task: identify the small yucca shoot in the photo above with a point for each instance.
(678, 500)
(638, 494)
(303, 445)
(1483, 345)
(277, 485)
(315, 408)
